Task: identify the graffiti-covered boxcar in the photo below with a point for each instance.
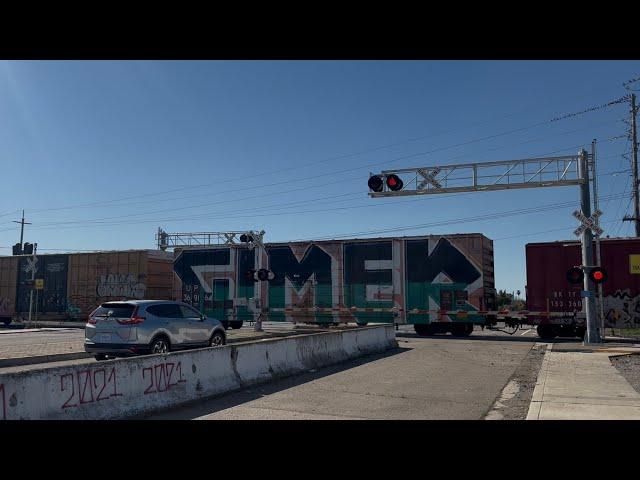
(406, 280)
(549, 290)
(75, 283)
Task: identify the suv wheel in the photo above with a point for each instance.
(217, 340)
(160, 345)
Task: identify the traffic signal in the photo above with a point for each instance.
(17, 249)
(375, 183)
(244, 238)
(575, 275)
(28, 248)
(394, 182)
(598, 275)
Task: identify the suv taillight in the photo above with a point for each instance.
(92, 320)
(134, 320)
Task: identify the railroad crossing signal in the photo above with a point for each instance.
(597, 275)
(394, 183)
(261, 275)
(589, 222)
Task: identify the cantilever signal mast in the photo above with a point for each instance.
(505, 175)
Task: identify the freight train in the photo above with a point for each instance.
(548, 288)
(74, 284)
(438, 283)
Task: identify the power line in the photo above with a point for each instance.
(467, 154)
(260, 196)
(98, 223)
(544, 231)
(490, 216)
(546, 122)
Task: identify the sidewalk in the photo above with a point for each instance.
(583, 385)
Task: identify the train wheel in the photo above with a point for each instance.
(423, 330)
(547, 332)
(459, 330)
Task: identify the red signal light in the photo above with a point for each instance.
(394, 182)
(598, 275)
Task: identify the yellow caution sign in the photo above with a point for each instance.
(39, 283)
(634, 263)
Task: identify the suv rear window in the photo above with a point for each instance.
(118, 310)
(165, 310)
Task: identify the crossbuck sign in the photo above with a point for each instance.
(31, 265)
(587, 222)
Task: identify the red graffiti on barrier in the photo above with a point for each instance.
(161, 376)
(4, 404)
(87, 382)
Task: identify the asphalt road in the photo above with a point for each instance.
(442, 377)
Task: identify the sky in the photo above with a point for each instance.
(100, 154)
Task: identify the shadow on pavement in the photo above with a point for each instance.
(476, 336)
(207, 406)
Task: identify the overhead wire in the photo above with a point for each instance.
(476, 218)
(339, 157)
(261, 196)
(260, 213)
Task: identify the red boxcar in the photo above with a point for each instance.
(549, 290)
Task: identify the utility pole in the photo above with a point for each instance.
(634, 163)
(22, 223)
(33, 278)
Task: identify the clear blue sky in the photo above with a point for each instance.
(216, 133)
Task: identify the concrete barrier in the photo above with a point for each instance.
(126, 387)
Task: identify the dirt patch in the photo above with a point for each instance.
(629, 368)
(514, 399)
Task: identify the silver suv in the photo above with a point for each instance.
(118, 329)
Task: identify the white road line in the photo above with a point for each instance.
(524, 333)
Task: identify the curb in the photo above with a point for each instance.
(16, 362)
